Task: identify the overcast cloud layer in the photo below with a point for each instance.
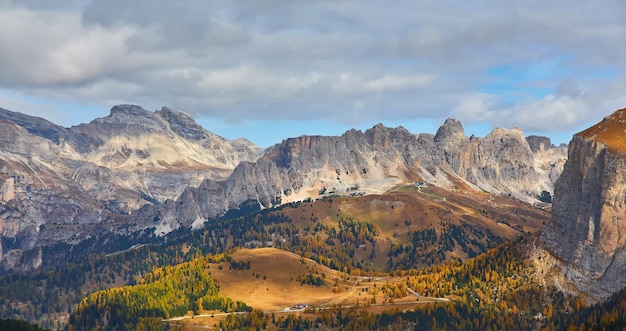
(546, 66)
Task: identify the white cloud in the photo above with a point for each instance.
(571, 107)
(345, 61)
(53, 48)
(477, 107)
(550, 113)
(398, 83)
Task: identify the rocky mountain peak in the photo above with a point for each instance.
(503, 132)
(381, 128)
(169, 113)
(124, 120)
(383, 136)
(451, 130)
(128, 110)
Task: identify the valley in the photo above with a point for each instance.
(335, 242)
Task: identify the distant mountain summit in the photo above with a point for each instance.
(132, 136)
(69, 181)
(610, 132)
(140, 171)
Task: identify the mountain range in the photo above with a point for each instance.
(140, 171)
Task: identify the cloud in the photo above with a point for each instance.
(344, 61)
(477, 107)
(52, 48)
(570, 107)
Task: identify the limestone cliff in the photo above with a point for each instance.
(501, 162)
(381, 157)
(375, 161)
(587, 233)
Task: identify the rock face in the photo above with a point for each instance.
(538, 143)
(501, 162)
(587, 233)
(373, 162)
(153, 172)
(69, 182)
(381, 157)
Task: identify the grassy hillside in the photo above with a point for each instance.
(277, 279)
(417, 226)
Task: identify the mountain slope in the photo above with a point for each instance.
(45, 129)
(65, 183)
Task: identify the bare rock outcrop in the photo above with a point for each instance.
(381, 158)
(538, 143)
(503, 162)
(587, 233)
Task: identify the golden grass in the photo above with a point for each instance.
(271, 283)
(611, 131)
(281, 289)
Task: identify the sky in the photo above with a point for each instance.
(271, 69)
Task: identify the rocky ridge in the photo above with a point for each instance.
(371, 162)
(587, 232)
(140, 171)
